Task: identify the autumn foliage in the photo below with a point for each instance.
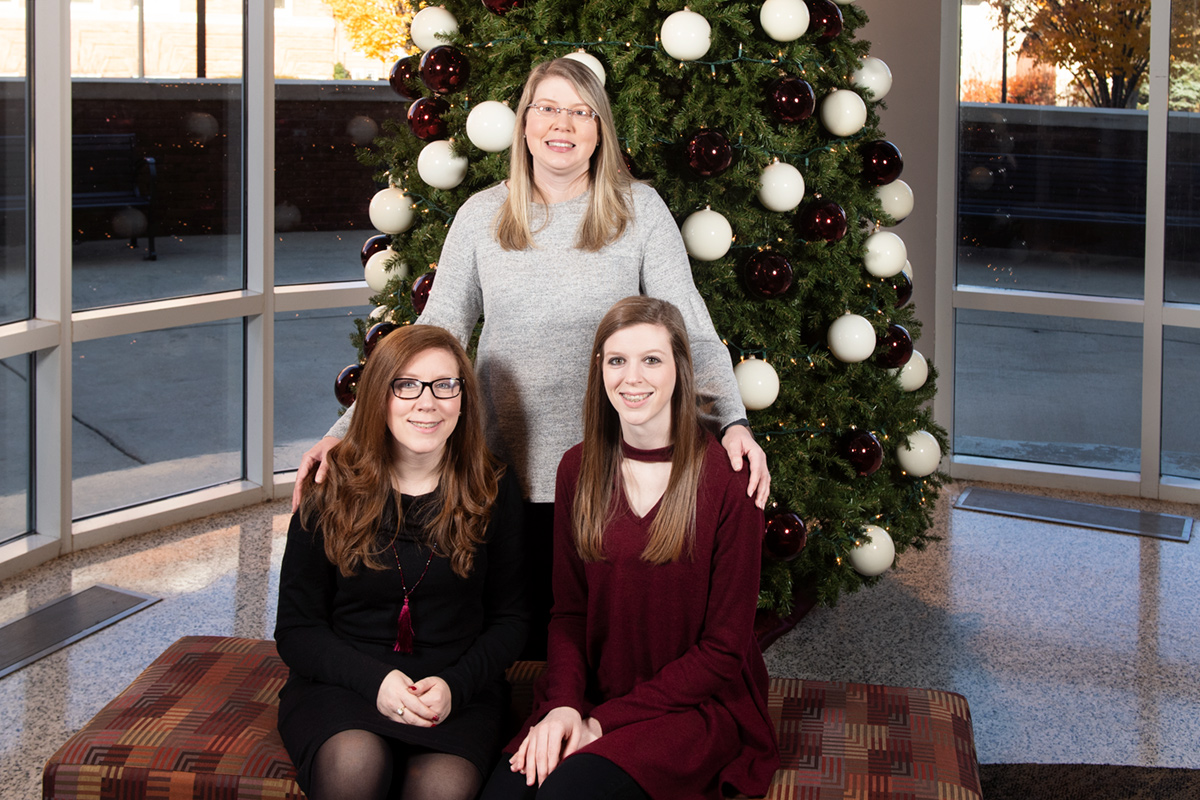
(377, 28)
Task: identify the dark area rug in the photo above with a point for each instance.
(1086, 782)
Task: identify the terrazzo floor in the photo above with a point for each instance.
(1071, 645)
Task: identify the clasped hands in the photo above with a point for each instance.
(423, 703)
(558, 735)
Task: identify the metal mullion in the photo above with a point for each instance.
(945, 266)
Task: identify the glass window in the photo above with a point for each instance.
(156, 414)
(1181, 387)
(1051, 390)
(311, 348)
(14, 166)
(1183, 157)
(15, 465)
(157, 162)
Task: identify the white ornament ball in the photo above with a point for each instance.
(873, 74)
(591, 62)
(439, 167)
(490, 126)
(876, 556)
(843, 112)
(912, 376)
(896, 198)
(757, 382)
(851, 338)
(201, 127)
(707, 235)
(391, 210)
(781, 187)
(375, 272)
(129, 222)
(885, 254)
(362, 130)
(784, 20)
(686, 35)
(920, 454)
(430, 24)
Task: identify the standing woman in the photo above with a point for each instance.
(400, 596)
(655, 685)
(541, 257)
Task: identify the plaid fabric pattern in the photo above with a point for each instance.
(199, 724)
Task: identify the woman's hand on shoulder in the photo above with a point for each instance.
(314, 457)
(739, 443)
(558, 735)
(398, 702)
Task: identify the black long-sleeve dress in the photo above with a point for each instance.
(337, 634)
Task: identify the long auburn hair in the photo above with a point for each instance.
(347, 506)
(673, 532)
(610, 208)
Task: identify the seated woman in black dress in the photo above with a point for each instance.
(401, 593)
(655, 685)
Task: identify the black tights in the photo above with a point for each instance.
(581, 777)
(360, 765)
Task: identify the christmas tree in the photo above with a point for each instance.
(758, 125)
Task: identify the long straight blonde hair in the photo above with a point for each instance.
(610, 208)
(673, 532)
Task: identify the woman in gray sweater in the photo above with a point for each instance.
(542, 256)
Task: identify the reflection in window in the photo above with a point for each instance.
(1181, 387)
(157, 163)
(156, 414)
(1050, 390)
(16, 468)
(14, 167)
(311, 348)
(1183, 157)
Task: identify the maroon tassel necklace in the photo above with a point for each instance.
(404, 628)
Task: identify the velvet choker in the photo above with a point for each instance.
(659, 454)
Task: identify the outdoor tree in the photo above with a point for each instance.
(758, 123)
(377, 28)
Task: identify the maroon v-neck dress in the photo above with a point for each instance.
(664, 656)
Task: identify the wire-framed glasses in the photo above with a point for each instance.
(442, 388)
(550, 112)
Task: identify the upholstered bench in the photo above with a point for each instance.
(199, 722)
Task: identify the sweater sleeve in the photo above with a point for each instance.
(566, 667)
(456, 299)
(506, 614)
(716, 659)
(666, 274)
(304, 635)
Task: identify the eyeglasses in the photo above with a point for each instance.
(550, 112)
(442, 388)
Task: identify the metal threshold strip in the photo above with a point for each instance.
(1172, 527)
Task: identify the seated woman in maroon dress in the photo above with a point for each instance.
(401, 598)
(655, 685)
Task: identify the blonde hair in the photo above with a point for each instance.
(673, 531)
(610, 209)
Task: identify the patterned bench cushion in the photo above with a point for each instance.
(199, 722)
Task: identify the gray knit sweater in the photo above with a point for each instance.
(541, 308)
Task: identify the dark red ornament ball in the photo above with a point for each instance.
(824, 19)
(708, 153)
(420, 291)
(767, 274)
(895, 349)
(445, 69)
(822, 221)
(882, 162)
(403, 78)
(791, 100)
(376, 244)
(786, 536)
(375, 335)
(346, 384)
(425, 118)
(863, 451)
(904, 288)
(501, 7)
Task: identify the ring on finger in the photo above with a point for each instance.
(400, 711)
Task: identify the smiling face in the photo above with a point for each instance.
(562, 146)
(639, 378)
(421, 427)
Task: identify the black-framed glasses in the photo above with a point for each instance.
(442, 388)
(550, 112)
